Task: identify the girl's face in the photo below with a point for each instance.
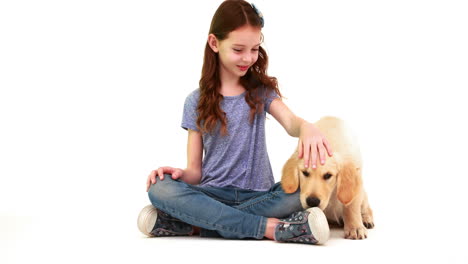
(238, 52)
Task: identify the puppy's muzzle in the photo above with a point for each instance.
(312, 201)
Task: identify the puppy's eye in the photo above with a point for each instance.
(327, 176)
(306, 173)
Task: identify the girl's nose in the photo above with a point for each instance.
(246, 58)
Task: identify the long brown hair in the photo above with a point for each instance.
(229, 16)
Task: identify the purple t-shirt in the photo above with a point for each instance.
(238, 159)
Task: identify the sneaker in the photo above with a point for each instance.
(155, 223)
(308, 227)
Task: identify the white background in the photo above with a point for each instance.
(91, 101)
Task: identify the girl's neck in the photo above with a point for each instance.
(231, 86)
(228, 90)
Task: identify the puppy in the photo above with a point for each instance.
(335, 187)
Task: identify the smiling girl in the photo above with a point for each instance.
(228, 187)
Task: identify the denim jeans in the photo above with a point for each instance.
(227, 212)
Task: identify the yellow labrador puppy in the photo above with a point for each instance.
(335, 187)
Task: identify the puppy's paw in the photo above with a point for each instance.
(369, 225)
(368, 221)
(368, 218)
(359, 232)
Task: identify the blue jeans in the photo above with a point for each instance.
(227, 212)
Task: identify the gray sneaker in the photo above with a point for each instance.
(308, 227)
(155, 223)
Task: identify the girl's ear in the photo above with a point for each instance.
(213, 42)
(290, 177)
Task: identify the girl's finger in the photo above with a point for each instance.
(161, 174)
(328, 147)
(151, 180)
(148, 185)
(175, 175)
(321, 153)
(300, 149)
(306, 150)
(168, 170)
(314, 155)
(153, 176)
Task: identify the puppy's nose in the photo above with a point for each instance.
(313, 201)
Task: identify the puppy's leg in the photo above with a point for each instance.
(366, 211)
(353, 225)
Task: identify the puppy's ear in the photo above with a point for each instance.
(290, 177)
(349, 183)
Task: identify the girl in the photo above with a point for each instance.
(229, 191)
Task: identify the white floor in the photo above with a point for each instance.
(66, 238)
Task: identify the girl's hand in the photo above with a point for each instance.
(313, 144)
(176, 173)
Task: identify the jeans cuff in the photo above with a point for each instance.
(262, 227)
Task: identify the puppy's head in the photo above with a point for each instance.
(317, 185)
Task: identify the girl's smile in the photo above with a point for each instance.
(243, 68)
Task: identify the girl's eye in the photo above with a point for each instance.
(255, 50)
(237, 50)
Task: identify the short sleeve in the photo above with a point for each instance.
(269, 97)
(189, 117)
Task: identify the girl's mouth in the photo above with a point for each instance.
(243, 68)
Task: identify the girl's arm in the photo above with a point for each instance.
(192, 174)
(312, 143)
